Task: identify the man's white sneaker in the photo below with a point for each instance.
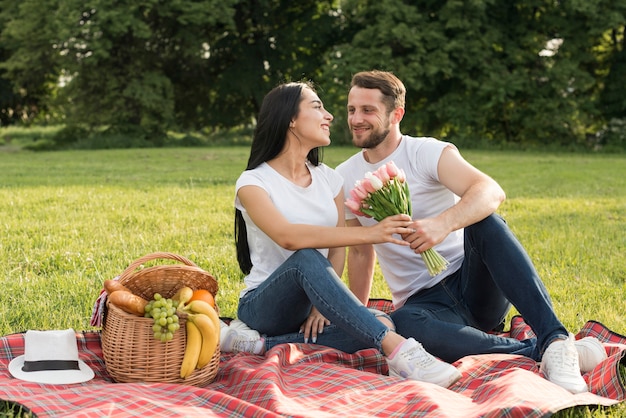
(591, 352)
(560, 366)
(411, 361)
(234, 339)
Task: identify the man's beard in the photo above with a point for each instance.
(373, 140)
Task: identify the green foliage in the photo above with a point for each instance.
(118, 65)
(273, 41)
(33, 68)
(78, 137)
(613, 97)
(70, 134)
(10, 105)
(23, 135)
(531, 73)
(480, 69)
(613, 137)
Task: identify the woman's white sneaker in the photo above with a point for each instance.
(411, 361)
(240, 339)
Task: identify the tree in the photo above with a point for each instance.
(520, 71)
(158, 64)
(114, 66)
(26, 86)
(523, 71)
(273, 41)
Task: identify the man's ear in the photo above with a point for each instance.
(397, 115)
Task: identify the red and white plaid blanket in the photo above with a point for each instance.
(305, 380)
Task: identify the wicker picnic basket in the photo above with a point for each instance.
(131, 353)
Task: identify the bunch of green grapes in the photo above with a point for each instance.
(163, 311)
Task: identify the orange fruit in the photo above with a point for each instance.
(203, 294)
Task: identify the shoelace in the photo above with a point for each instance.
(418, 355)
(244, 345)
(568, 356)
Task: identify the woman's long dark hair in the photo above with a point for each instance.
(280, 106)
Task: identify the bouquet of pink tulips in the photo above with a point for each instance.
(384, 193)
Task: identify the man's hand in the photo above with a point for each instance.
(427, 233)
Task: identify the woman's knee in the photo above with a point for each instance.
(308, 256)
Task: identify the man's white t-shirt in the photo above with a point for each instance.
(403, 269)
(313, 205)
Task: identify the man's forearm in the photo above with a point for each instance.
(361, 271)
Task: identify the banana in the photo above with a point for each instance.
(183, 295)
(192, 349)
(201, 307)
(210, 337)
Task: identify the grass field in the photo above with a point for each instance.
(72, 219)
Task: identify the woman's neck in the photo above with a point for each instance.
(292, 168)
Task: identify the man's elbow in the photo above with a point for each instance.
(499, 197)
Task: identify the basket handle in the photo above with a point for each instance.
(153, 256)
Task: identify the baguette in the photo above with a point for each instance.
(128, 302)
(111, 286)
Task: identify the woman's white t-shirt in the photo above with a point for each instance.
(403, 269)
(313, 205)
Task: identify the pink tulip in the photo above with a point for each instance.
(354, 207)
(382, 174)
(392, 169)
(358, 193)
(401, 176)
(375, 182)
(367, 185)
(361, 190)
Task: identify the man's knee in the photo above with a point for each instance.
(492, 227)
(490, 223)
(409, 321)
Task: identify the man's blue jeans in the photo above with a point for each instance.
(453, 318)
(281, 304)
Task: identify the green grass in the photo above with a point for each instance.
(70, 220)
(13, 410)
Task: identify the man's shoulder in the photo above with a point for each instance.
(419, 141)
(424, 145)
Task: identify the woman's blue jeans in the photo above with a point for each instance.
(453, 318)
(281, 304)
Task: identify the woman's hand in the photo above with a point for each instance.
(392, 229)
(313, 325)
